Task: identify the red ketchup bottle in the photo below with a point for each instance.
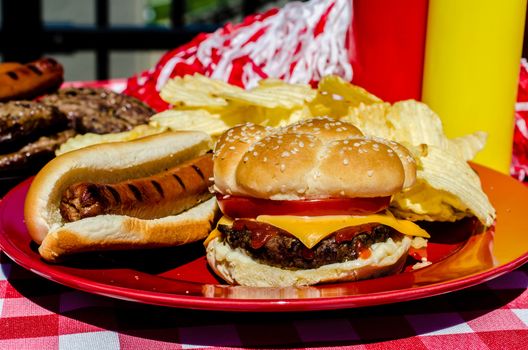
(386, 47)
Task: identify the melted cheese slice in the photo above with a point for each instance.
(311, 230)
(224, 220)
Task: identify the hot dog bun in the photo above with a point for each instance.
(110, 163)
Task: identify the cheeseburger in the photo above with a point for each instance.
(308, 203)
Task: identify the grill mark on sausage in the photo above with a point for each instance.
(179, 180)
(34, 69)
(12, 75)
(198, 171)
(136, 192)
(114, 193)
(158, 188)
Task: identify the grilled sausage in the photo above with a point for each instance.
(7, 66)
(160, 195)
(29, 80)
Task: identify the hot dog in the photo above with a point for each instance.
(150, 192)
(167, 193)
(27, 81)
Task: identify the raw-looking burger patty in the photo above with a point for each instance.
(284, 250)
(99, 110)
(25, 121)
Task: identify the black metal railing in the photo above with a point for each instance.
(24, 36)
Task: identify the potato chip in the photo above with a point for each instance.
(372, 120)
(196, 91)
(272, 95)
(467, 147)
(352, 94)
(190, 120)
(320, 109)
(447, 189)
(415, 123)
(81, 141)
(438, 195)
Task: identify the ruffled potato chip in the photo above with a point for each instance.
(467, 147)
(336, 96)
(272, 95)
(81, 141)
(372, 120)
(447, 188)
(190, 120)
(196, 91)
(354, 95)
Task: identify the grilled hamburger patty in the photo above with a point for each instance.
(286, 251)
(25, 121)
(34, 155)
(99, 110)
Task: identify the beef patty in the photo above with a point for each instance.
(99, 110)
(282, 249)
(22, 122)
(30, 158)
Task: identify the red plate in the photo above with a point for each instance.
(462, 256)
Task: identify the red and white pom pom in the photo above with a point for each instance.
(519, 165)
(299, 43)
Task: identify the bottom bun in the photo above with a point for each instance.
(119, 232)
(235, 266)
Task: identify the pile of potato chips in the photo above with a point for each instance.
(447, 188)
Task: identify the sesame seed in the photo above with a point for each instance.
(255, 153)
(246, 159)
(370, 173)
(301, 144)
(265, 159)
(345, 161)
(232, 148)
(282, 167)
(285, 154)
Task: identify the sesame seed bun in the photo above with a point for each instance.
(315, 158)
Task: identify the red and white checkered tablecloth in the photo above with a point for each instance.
(39, 314)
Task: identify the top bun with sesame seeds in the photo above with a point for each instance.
(312, 159)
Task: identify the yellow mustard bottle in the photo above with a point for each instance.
(472, 61)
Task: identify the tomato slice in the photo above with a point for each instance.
(247, 207)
